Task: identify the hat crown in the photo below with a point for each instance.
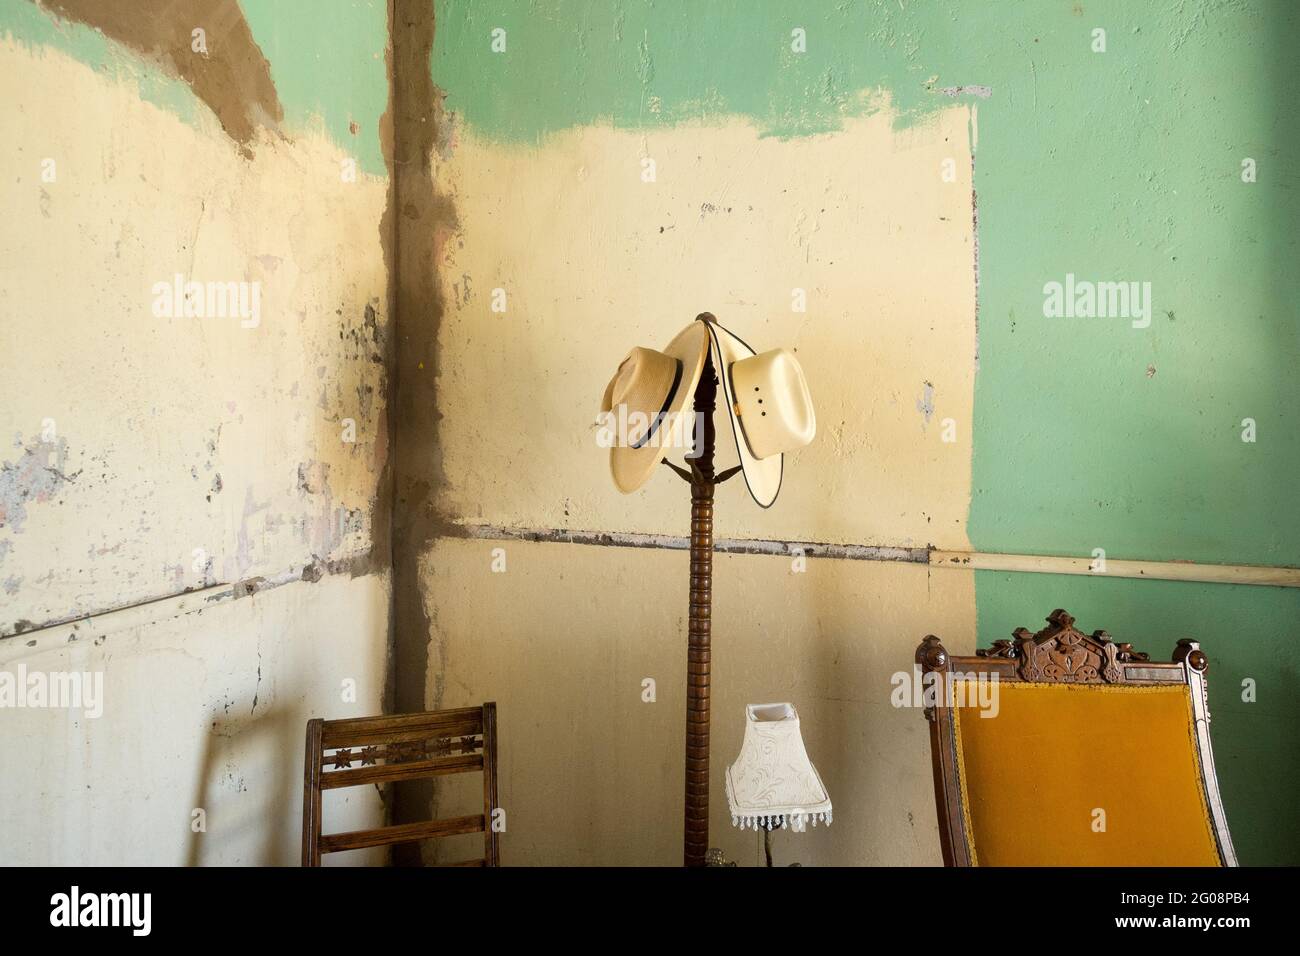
(643, 381)
(641, 367)
(773, 403)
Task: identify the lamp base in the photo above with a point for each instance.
(715, 857)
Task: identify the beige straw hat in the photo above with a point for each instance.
(645, 402)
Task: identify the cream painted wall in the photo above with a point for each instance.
(147, 456)
(590, 774)
(201, 710)
(592, 261)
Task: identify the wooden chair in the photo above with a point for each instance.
(401, 747)
(1090, 754)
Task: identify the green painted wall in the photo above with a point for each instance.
(1090, 433)
(1122, 165)
(328, 66)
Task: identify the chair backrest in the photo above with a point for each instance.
(1066, 749)
(400, 747)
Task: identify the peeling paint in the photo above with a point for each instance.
(983, 92)
(925, 404)
(182, 435)
(313, 477)
(36, 477)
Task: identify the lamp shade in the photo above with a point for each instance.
(773, 780)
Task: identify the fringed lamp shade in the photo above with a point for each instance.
(773, 783)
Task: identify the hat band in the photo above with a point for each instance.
(668, 403)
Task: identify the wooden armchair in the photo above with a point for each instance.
(410, 746)
(1066, 749)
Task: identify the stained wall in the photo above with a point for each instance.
(459, 217)
(192, 502)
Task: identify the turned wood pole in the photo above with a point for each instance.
(701, 610)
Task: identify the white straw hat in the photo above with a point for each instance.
(769, 405)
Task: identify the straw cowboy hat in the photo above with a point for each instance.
(645, 400)
(766, 397)
(769, 405)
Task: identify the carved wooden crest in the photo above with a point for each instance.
(1062, 654)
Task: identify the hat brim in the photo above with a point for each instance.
(762, 475)
(632, 467)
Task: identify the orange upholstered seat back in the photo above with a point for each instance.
(1076, 775)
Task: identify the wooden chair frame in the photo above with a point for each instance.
(411, 746)
(1060, 654)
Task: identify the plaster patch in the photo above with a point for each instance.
(229, 73)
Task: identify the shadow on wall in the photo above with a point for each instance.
(227, 805)
(267, 751)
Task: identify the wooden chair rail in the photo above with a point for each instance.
(403, 833)
(428, 718)
(365, 732)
